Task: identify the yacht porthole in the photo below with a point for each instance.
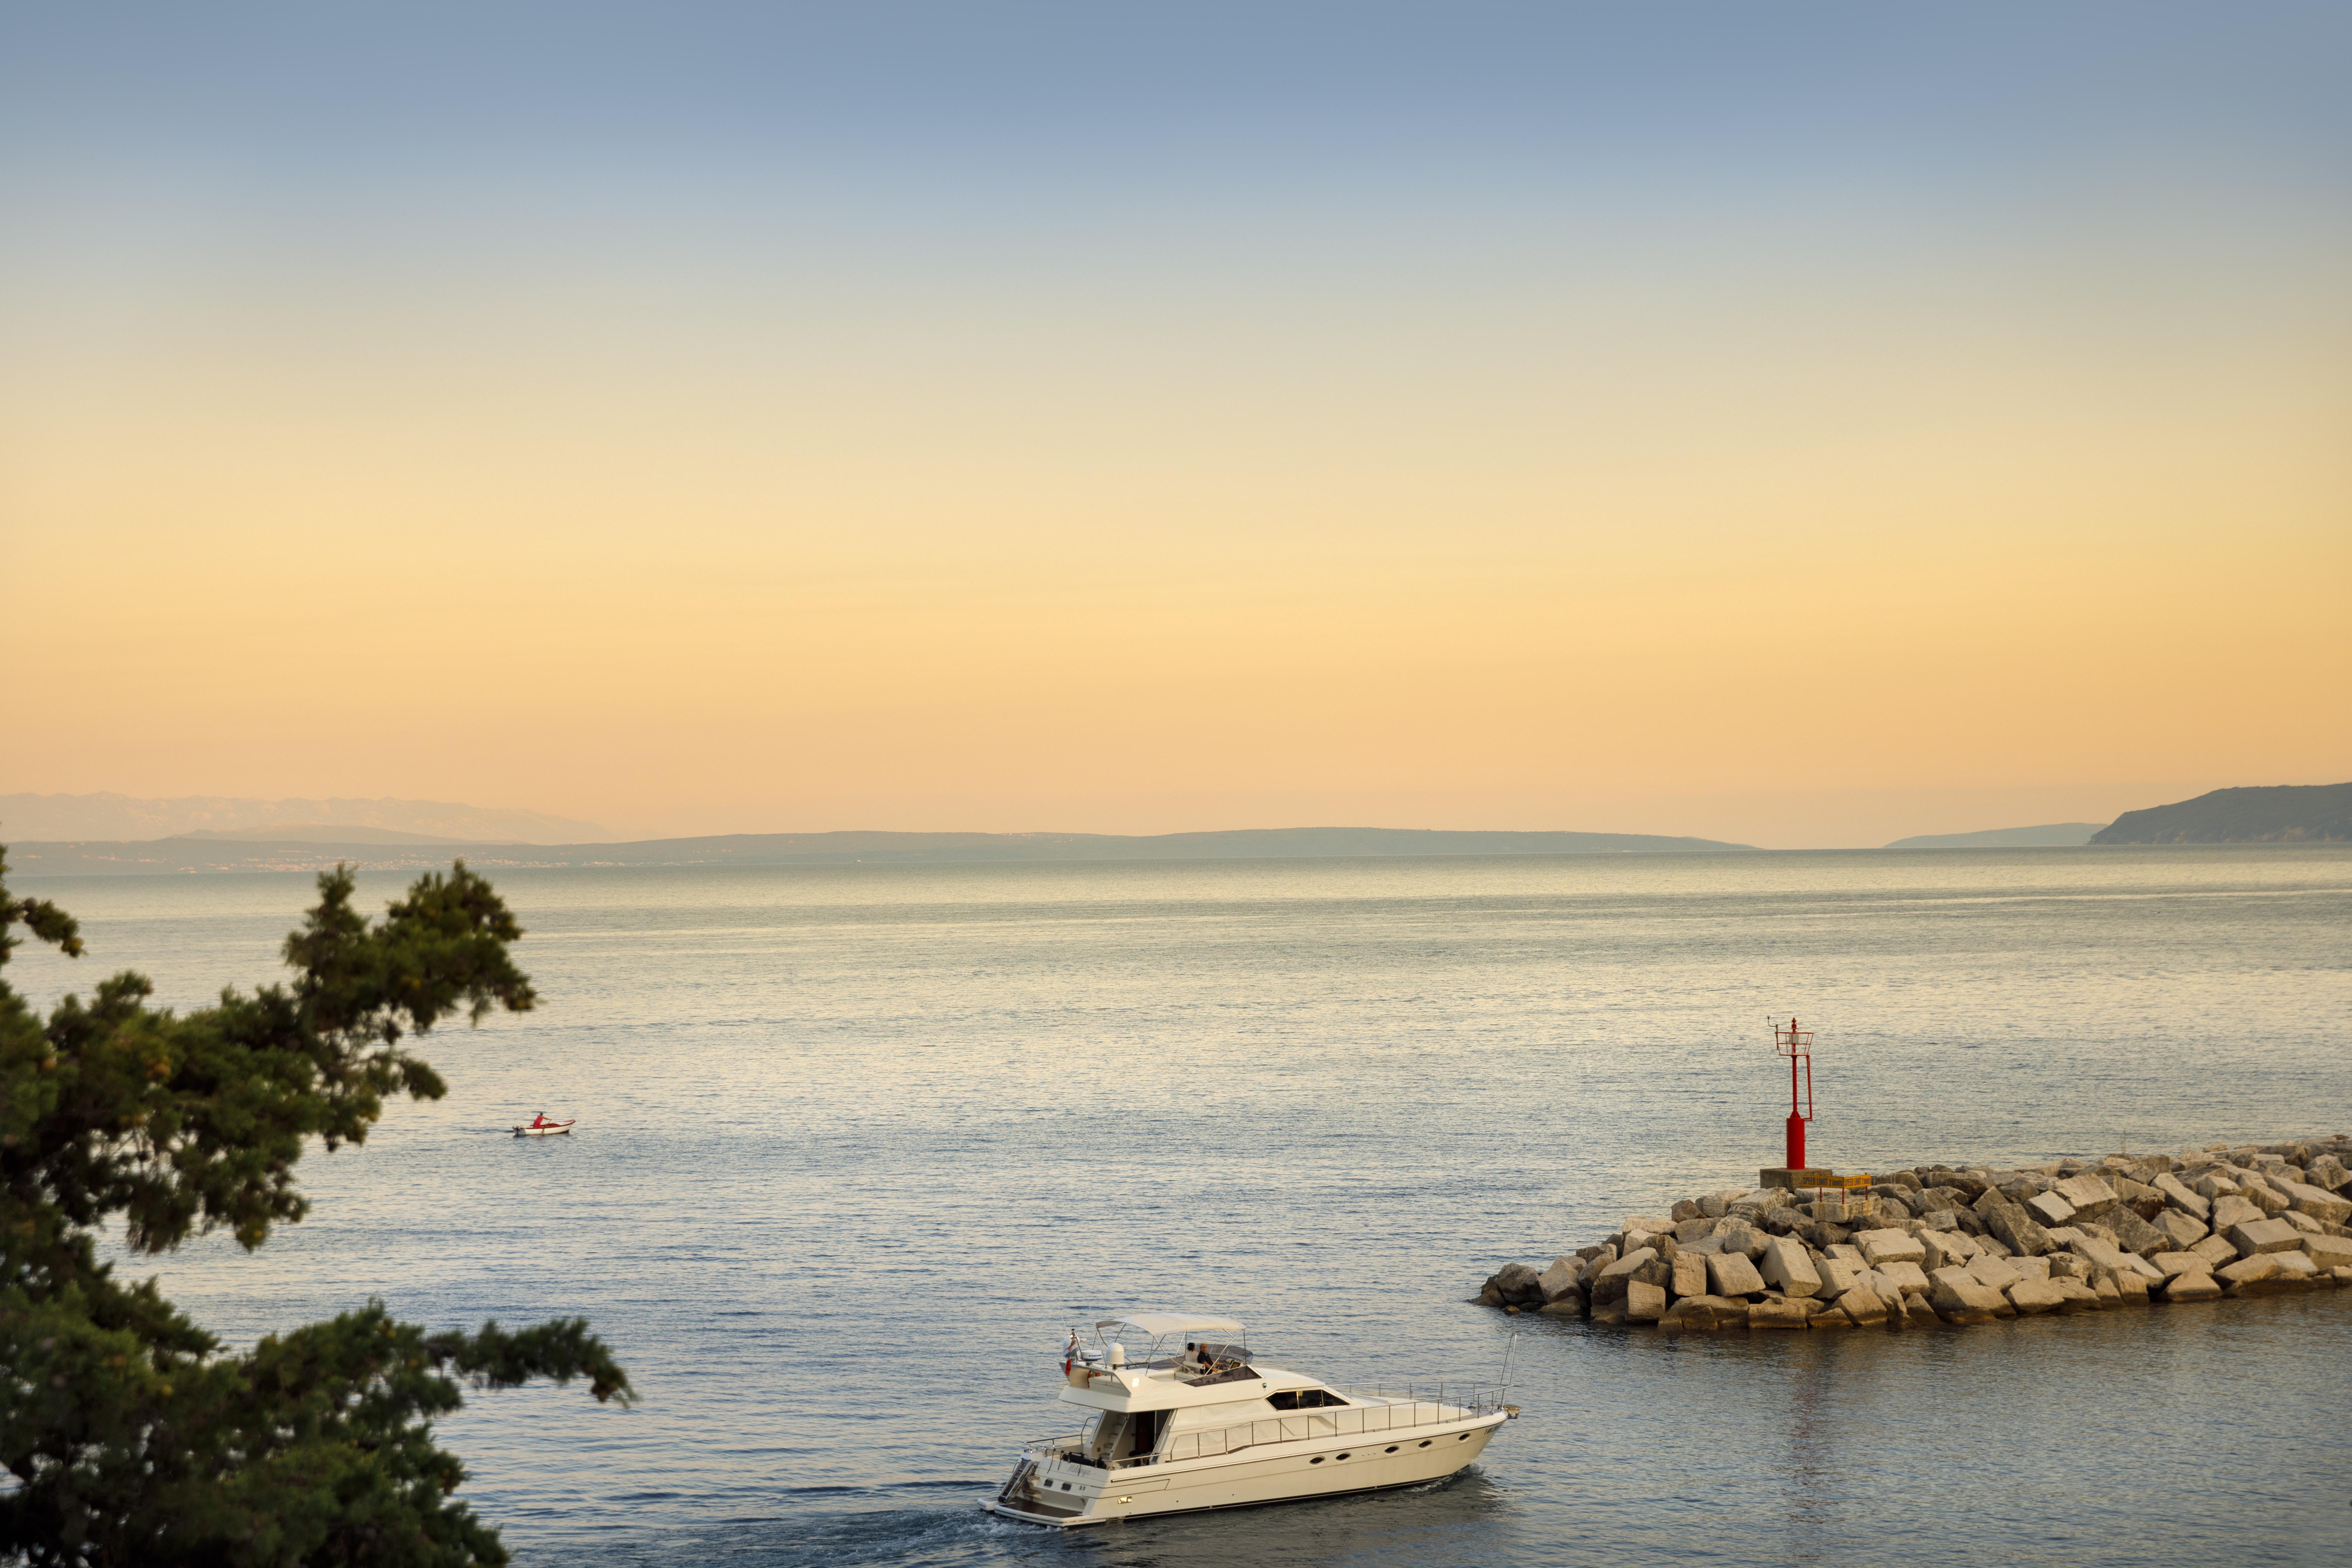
(1461, 1437)
(1316, 1460)
(1065, 1486)
(1391, 1447)
(1426, 1441)
(1343, 1456)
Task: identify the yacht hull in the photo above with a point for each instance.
(1286, 1472)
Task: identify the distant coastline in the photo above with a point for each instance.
(195, 854)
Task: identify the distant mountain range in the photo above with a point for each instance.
(122, 818)
(221, 853)
(2266, 813)
(2048, 835)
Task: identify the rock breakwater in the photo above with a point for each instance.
(1943, 1243)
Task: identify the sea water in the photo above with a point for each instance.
(857, 1143)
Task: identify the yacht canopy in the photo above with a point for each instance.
(1160, 1325)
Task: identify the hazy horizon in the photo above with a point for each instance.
(1795, 426)
(30, 817)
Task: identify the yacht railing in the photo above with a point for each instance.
(1381, 1412)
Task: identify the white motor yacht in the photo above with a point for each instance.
(1195, 1423)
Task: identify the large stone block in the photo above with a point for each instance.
(2087, 1194)
(1689, 1275)
(1994, 1273)
(1707, 1312)
(1864, 1305)
(1939, 1248)
(1644, 1303)
(1783, 1314)
(2328, 1251)
(2049, 1208)
(2330, 1173)
(2294, 1266)
(1838, 1276)
(2018, 1230)
(1692, 1231)
(1743, 1238)
(1889, 1247)
(2131, 1286)
(1956, 1299)
(2318, 1203)
(2078, 1295)
(2098, 1254)
(2134, 1234)
(2190, 1287)
(2265, 1236)
(2179, 1228)
(2176, 1192)
(2213, 1184)
(1904, 1278)
(1572, 1305)
(1565, 1274)
(2232, 1210)
(2252, 1267)
(1787, 1265)
(2176, 1263)
(1731, 1274)
(2215, 1250)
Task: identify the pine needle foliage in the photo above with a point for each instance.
(128, 1434)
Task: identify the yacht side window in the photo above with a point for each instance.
(1305, 1399)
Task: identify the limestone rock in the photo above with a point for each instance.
(2329, 1172)
(2077, 1296)
(2180, 1229)
(2295, 1265)
(1889, 1247)
(1742, 1238)
(1612, 1313)
(1899, 1278)
(1779, 1314)
(2176, 1192)
(2049, 1208)
(1943, 1248)
(1832, 1316)
(1561, 1278)
(2265, 1236)
(1956, 1299)
(2318, 1203)
(2191, 1288)
(1570, 1305)
(1731, 1274)
(1863, 1306)
(1609, 1284)
(2232, 1210)
(2099, 1255)
(1786, 1265)
(2304, 1223)
(2088, 1196)
(1644, 1303)
(1706, 1312)
(1691, 1232)
(1838, 1274)
(2215, 1250)
(2247, 1269)
(1994, 1273)
(2134, 1234)
(2328, 1251)
(2176, 1263)
(1914, 1313)
(2017, 1229)
(1689, 1275)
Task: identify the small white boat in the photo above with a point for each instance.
(544, 1129)
(1197, 1424)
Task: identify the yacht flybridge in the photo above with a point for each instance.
(1194, 1423)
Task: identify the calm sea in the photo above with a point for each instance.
(856, 1144)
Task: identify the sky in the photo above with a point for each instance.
(1795, 424)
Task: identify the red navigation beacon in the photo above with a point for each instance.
(1797, 1045)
